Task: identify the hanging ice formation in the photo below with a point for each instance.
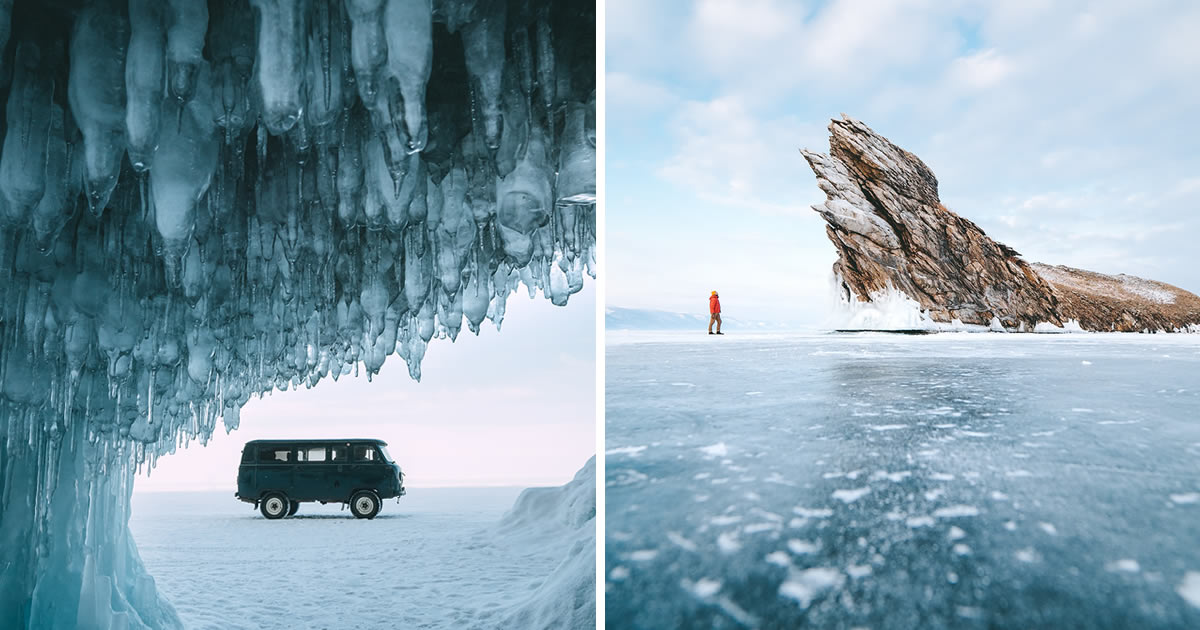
(201, 201)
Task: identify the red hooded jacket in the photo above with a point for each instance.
(714, 304)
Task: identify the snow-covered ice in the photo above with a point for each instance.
(440, 558)
(986, 501)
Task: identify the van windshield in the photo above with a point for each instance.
(387, 457)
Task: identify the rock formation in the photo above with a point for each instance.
(892, 232)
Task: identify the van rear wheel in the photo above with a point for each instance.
(274, 505)
(292, 510)
(364, 504)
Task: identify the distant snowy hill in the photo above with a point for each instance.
(616, 318)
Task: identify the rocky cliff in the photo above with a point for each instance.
(891, 230)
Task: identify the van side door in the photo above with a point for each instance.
(340, 473)
(312, 481)
(276, 464)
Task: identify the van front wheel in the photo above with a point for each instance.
(364, 504)
(274, 505)
(292, 510)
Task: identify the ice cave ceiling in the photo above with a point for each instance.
(200, 201)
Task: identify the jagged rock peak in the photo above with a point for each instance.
(892, 232)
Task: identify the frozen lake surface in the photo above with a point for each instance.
(960, 480)
(434, 560)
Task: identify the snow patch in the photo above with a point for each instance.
(859, 570)
(1189, 588)
(1127, 565)
(705, 588)
(801, 547)
(956, 511)
(805, 586)
(851, 495)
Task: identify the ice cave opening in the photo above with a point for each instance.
(201, 201)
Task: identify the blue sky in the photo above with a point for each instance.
(514, 408)
(1066, 130)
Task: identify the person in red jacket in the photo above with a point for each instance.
(714, 312)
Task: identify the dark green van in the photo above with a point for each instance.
(278, 475)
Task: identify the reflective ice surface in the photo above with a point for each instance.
(948, 481)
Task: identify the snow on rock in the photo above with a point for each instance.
(198, 206)
(907, 262)
(564, 516)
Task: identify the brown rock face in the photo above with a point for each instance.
(890, 229)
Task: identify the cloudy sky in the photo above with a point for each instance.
(1067, 130)
(514, 408)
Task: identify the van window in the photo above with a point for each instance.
(275, 454)
(364, 454)
(337, 453)
(313, 454)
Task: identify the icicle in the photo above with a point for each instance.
(280, 62)
(96, 87)
(144, 80)
(22, 165)
(185, 41)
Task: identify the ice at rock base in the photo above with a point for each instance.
(892, 309)
(200, 202)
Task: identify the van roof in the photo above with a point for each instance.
(325, 441)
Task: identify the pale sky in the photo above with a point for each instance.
(1066, 130)
(514, 408)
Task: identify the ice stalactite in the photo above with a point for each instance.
(204, 201)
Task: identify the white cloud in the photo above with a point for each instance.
(633, 95)
(727, 153)
(1062, 129)
(983, 70)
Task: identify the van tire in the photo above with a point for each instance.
(292, 510)
(274, 505)
(364, 504)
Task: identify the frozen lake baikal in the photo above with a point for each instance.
(955, 480)
(434, 560)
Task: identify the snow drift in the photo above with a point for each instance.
(565, 516)
(203, 201)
